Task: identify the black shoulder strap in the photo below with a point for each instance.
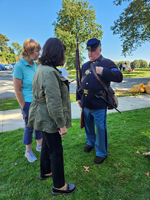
(101, 81)
(90, 68)
(98, 76)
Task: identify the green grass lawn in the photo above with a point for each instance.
(9, 104)
(136, 74)
(121, 176)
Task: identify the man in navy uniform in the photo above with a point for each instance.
(95, 108)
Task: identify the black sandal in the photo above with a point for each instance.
(69, 190)
(41, 178)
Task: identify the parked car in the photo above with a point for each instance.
(2, 67)
(13, 64)
(8, 66)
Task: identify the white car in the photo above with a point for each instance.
(8, 66)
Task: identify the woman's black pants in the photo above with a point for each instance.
(52, 158)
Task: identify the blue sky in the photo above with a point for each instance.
(22, 19)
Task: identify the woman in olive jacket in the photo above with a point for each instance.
(50, 112)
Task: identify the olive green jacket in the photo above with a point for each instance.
(51, 107)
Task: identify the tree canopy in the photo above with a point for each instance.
(17, 47)
(133, 25)
(3, 43)
(7, 57)
(7, 54)
(137, 63)
(76, 18)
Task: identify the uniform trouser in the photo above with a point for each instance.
(52, 158)
(98, 137)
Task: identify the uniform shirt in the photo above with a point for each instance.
(110, 73)
(24, 71)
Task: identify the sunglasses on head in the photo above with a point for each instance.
(31, 40)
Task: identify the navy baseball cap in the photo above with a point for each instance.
(93, 43)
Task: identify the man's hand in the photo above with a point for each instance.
(63, 131)
(99, 70)
(79, 103)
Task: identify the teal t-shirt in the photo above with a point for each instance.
(24, 71)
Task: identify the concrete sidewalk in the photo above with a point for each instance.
(12, 119)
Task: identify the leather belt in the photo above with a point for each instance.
(93, 91)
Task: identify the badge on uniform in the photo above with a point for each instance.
(87, 72)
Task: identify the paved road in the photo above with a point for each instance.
(6, 85)
(7, 89)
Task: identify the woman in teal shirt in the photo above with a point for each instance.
(23, 73)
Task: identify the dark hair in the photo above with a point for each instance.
(53, 53)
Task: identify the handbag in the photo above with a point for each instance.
(112, 100)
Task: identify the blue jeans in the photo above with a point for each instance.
(27, 137)
(98, 137)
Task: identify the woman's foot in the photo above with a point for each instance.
(38, 147)
(30, 156)
(45, 176)
(63, 188)
(66, 189)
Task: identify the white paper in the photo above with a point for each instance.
(64, 72)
